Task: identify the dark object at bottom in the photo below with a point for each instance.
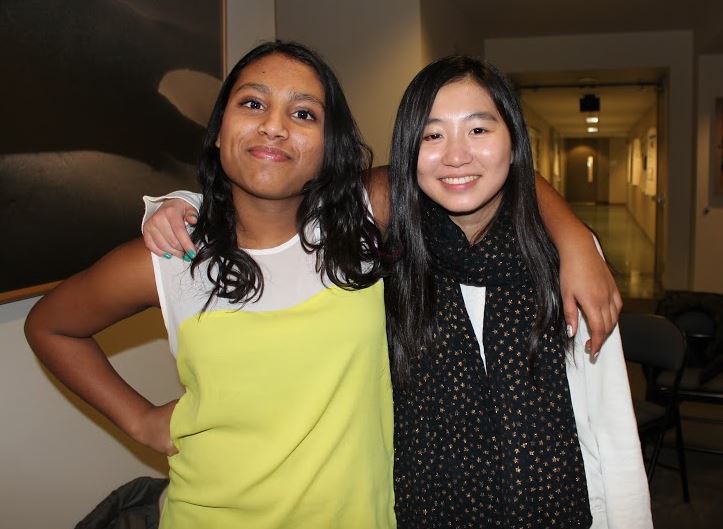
(131, 506)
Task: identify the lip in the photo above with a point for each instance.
(459, 183)
(272, 154)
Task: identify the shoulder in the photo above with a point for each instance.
(376, 183)
(125, 273)
(120, 284)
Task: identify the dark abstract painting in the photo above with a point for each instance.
(101, 102)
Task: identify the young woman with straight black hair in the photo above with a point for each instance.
(501, 420)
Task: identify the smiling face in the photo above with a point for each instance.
(271, 140)
(465, 155)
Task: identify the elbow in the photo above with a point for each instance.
(31, 326)
(34, 328)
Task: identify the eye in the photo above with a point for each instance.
(305, 115)
(252, 104)
(479, 130)
(432, 136)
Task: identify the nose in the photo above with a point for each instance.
(456, 152)
(273, 125)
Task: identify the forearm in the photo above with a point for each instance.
(60, 330)
(567, 232)
(585, 279)
(82, 367)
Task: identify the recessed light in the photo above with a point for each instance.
(592, 119)
(592, 129)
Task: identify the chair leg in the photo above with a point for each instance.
(680, 449)
(654, 457)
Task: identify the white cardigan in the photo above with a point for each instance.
(616, 480)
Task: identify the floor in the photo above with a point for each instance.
(705, 476)
(628, 250)
(705, 471)
(632, 256)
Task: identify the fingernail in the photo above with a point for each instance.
(569, 331)
(191, 254)
(186, 258)
(587, 348)
(167, 255)
(594, 356)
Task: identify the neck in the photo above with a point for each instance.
(265, 223)
(474, 224)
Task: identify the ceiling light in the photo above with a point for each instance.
(592, 119)
(592, 129)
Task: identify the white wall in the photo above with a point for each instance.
(447, 31)
(248, 22)
(618, 170)
(672, 50)
(58, 457)
(708, 258)
(642, 206)
(545, 133)
(375, 48)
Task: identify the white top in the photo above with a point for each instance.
(281, 288)
(606, 427)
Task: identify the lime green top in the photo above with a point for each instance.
(286, 421)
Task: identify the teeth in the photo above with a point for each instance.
(459, 179)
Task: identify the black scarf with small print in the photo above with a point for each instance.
(492, 446)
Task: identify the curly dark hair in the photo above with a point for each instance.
(335, 199)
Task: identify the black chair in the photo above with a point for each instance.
(656, 344)
(699, 315)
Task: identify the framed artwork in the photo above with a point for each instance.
(651, 166)
(638, 163)
(100, 105)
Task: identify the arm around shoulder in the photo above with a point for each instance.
(585, 279)
(165, 221)
(377, 187)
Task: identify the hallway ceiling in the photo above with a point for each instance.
(621, 107)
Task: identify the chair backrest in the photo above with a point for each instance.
(652, 341)
(685, 307)
(695, 323)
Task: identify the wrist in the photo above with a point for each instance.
(135, 424)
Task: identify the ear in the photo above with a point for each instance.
(217, 143)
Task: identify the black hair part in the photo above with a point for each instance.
(409, 289)
(335, 199)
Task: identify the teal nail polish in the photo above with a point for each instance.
(191, 254)
(186, 258)
(167, 255)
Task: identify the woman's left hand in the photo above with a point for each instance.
(586, 281)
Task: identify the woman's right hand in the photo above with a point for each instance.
(165, 233)
(154, 429)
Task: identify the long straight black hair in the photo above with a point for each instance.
(347, 249)
(409, 293)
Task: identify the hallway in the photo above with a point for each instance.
(628, 250)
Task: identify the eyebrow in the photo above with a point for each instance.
(295, 96)
(487, 116)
